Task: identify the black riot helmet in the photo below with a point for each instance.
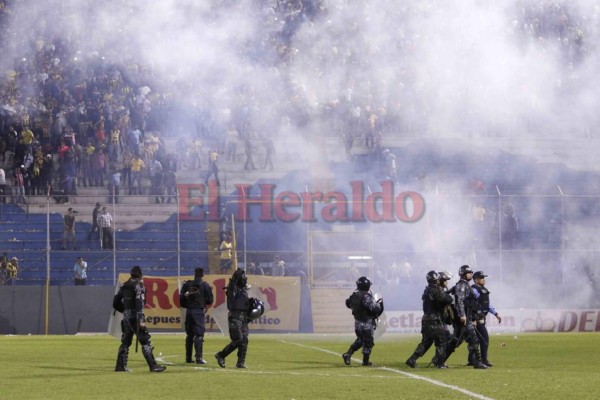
(445, 275)
(239, 278)
(363, 283)
(465, 269)
(136, 272)
(432, 277)
(256, 309)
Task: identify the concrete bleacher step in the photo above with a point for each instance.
(329, 310)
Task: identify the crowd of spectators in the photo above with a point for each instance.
(70, 118)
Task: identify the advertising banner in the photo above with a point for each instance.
(281, 296)
(512, 321)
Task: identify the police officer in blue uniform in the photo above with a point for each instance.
(238, 304)
(466, 306)
(365, 311)
(130, 300)
(432, 325)
(195, 296)
(482, 294)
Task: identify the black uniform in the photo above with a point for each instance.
(195, 296)
(484, 308)
(238, 305)
(433, 329)
(466, 306)
(365, 311)
(130, 300)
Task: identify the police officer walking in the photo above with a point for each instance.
(432, 325)
(238, 305)
(130, 300)
(466, 309)
(195, 296)
(365, 311)
(482, 294)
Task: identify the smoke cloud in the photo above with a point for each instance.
(426, 69)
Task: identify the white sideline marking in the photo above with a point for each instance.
(407, 374)
(233, 370)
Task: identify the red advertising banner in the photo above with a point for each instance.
(280, 294)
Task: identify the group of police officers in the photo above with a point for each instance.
(464, 307)
(195, 296)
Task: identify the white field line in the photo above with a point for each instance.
(407, 374)
(162, 359)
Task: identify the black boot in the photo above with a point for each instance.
(471, 359)
(347, 358)
(220, 360)
(241, 357)
(412, 361)
(188, 350)
(122, 359)
(366, 361)
(154, 367)
(198, 342)
(438, 362)
(476, 358)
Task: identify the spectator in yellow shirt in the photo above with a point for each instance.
(137, 165)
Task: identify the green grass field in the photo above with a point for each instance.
(298, 366)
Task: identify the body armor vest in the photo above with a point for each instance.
(237, 300)
(129, 295)
(470, 302)
(430, 306)
(484, 298)
(359, 312)
(195, 298)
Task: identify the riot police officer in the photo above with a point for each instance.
(195, 296)
(466, 312)
(238, 305)
(130, 300)
(365, 311)
(432, 325)
(482, 294)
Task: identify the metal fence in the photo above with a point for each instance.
(555, 239)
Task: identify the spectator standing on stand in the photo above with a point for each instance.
(213, 167)
(20, 185)
(69, 232)
(105, 221)
(226, 255)
(278, 268)
(113, 186)
(270, 151)
(171, 185)
(95, 227)
(137, 165)
(80, 269)
(249, 152)
(12, 270)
